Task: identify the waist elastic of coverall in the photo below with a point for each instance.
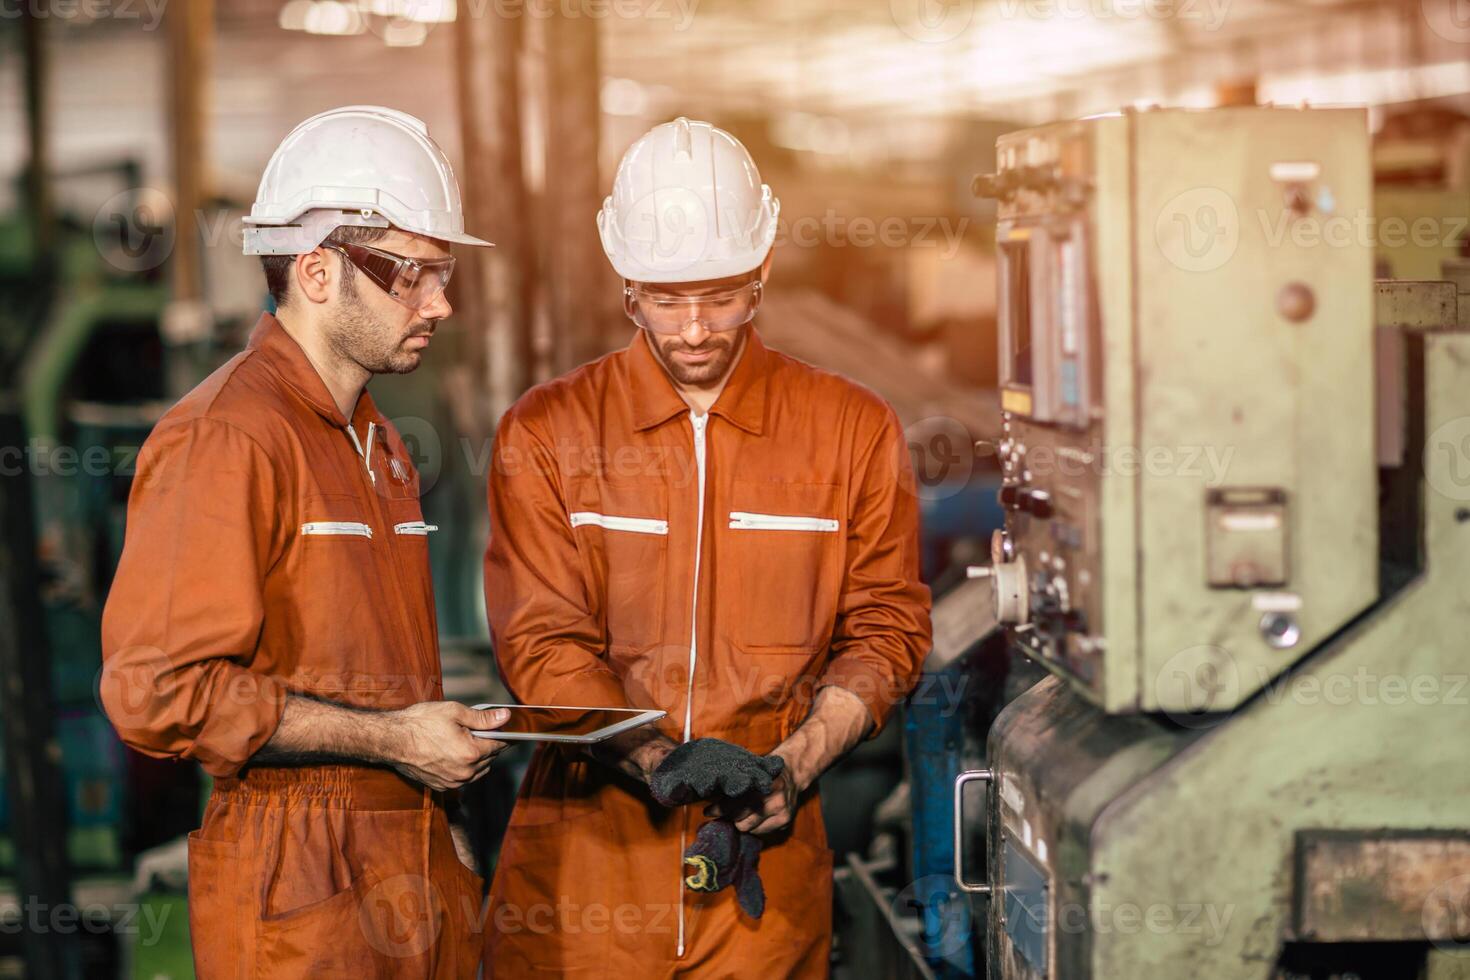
(348, 787)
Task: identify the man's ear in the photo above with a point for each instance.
(766, 265)
(314, 275)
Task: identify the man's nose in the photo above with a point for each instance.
(694, 332)
(437, 308)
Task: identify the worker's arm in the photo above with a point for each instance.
(838, 721)
(549, 643)
(882, 632)
(186, 607)
(429, 743)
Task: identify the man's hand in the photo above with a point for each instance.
(431, 743)
(837, 722)
(774, 812)
(636, 752)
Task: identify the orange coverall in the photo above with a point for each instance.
(723, 569)
(266, 554)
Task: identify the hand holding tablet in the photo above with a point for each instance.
(561, 723)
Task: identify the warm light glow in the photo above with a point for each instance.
(333, 18)
(293, 15)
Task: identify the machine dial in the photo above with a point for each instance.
(1012, 594)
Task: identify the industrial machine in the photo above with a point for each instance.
(1236, 536)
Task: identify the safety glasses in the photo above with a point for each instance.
(412, 282)
(668, 313)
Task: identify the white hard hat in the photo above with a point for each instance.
(687, 204)
(360, 165)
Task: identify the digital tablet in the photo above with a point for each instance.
(562, 723)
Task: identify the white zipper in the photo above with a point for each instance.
(699, 422)
(350, 528)
(366, 454)
(610, 522)
(741, 520)
(414, 527)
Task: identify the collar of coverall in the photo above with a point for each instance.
(656, 400)
(294, 368)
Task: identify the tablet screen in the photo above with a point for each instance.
(537, 720)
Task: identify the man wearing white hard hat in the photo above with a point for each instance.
(272, 616)
(703, 525)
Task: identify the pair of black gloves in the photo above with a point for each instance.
(716, 771)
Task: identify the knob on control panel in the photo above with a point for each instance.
(1011, 591)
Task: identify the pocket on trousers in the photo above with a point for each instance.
(336, 936)
(217, 887)
(549, 907)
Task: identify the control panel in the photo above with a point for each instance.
(1185, 318)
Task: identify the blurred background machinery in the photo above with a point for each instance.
(131, 138)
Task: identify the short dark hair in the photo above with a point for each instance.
(278, 267)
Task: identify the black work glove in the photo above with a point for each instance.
(722, 856)
(712, 769)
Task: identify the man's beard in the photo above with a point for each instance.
(728, 346)
(374, 344)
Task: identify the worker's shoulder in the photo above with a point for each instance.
(241, 396)
(578, 393)
(798, 380)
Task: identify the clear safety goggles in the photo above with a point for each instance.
(669, 313)
(412, 282)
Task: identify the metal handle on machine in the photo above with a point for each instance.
(970, 776)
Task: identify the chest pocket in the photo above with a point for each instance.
(623, 532)
(784, 544)
(332, 581)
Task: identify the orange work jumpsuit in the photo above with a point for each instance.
(265, 554)
(722, 568)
